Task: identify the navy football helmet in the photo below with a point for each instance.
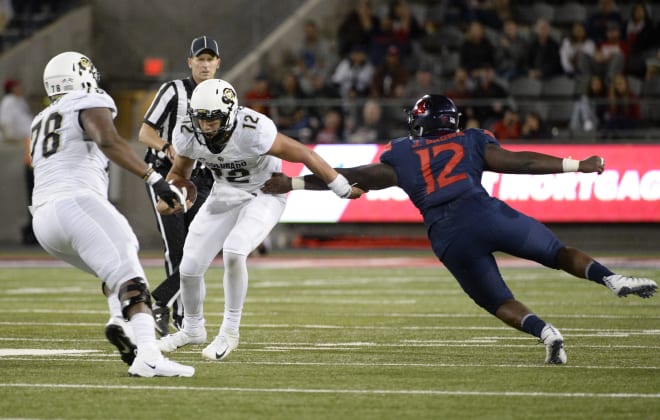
(433, 114)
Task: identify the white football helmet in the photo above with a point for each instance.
(69, 71)
(215, 102)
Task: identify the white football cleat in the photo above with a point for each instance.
(181, 338)
(554, 345)
(119, 332)
(221, 346)
(623, 286)
(161, 366)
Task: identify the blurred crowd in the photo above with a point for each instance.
(19, 19)
(521, 69)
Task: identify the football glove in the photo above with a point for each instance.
(169, 193)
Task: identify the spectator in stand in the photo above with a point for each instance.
(371, 129)
(623, 111)
(534, 128)
(611, 55)
(15, 120)
(288, 113)
(6, 13)
(315, 60)
(653, 66)
(605, 14)
(381, 41)
(15, 113)
(354, 74)
(391, 76)
(332, 128)
(493, 97)
(258, 95)
(576, 54)
(357, 28)
(543, 56)
(461, 89)
(589, 110)
(491, 13)
(424, 81)
(476, 51)
(509, 127)
(407, 29)
(511, 52)
(642, 35)
(462, 86)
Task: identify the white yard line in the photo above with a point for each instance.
(419, 392)
(287, 263)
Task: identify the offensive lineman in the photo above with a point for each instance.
(242, 148)
(72, 140)
(168, 107)
(440, 168)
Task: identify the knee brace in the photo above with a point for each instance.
(133, 292)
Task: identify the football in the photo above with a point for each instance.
(188, 188)
(189, 191)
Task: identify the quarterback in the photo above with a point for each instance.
(242, 148)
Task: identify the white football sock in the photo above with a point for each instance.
(114, 306)
(235, 283)
(144, 328)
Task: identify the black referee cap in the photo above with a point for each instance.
(204, 44)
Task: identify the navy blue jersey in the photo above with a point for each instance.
(436, 170)
(442, 177)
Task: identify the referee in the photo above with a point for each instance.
(169, 106)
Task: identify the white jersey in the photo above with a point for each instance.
(73, 219)
(66, 162)
(243, 164)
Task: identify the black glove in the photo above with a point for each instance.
(168, 193)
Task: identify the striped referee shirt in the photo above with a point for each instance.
(169, 106)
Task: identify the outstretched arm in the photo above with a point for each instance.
(374, 176)
(288, 149)
(505, 161)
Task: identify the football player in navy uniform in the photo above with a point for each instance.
(73, 141)
(169, 107)
(440, 169)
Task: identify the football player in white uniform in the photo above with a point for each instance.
(73, 220)
(242, 147)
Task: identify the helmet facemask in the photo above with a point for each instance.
(210, 127)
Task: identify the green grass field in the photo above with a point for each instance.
(339, 341)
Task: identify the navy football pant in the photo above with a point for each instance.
(469, 233)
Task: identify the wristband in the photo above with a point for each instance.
(298, 183)
(153, 177)
(341, 187)
(570, 165)
(148, 173)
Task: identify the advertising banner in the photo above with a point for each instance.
(627, 191)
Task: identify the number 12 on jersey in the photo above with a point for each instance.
(445, 177)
